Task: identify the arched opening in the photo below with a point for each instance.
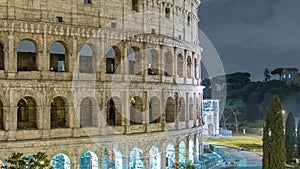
(191, 151)
(197, 109)
(89, 160)
(113, 159)
(27, 56)
(170, 156)
(182, 153)
(153, 62)
(27, 112)
(58, 57)
(114, 110)
(2, 63)
(154, 110)
(170, 109)
(86, 62)
(61, 161)
(191, 109)
(197, 150)
(1, 116)
(155, 157)
(58, 113)
(136, 110)
(2, 165)
(136, 159)
(189, 67)
(180, 65)
(168, 64)
(135, 61)
(181, 110)
(88, 117)
(211, 129)
(113, 60)
(196, 69)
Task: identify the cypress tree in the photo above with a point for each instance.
(290, 138)
(273, 137)
(298, 138)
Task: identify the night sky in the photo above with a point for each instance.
(250, 35)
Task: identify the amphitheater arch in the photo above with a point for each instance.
(182, 109)
(182, 152)
(89, 160)
(58, 57)
(180, 65)
(26, 113)
(135, 61)
(197, 149)
(170, 156)
(191, 151)
(189, 67)
(87, 59)
(59, 113)
(2, 120)
(113, 60)
(2, 56)
(61, 161)
(114, 111)
(168, 64)
(2, 165)
(136, 159)
(27, 55)
(155, 157)
(88, 112)
(136, 110)
(153, 62)
(114, 159)
(191, 109)
(170, 110)
(154, 110)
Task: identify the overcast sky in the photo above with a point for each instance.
(250, 35)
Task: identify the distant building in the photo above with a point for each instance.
(211, 113)
(288, 75)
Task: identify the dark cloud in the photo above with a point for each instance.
(250, 35)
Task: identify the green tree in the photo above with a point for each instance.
(298, 138)
(273, 137)
(290, 138)
(234, 107)
(18, 161)
(267, 74)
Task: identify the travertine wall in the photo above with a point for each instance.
(145, 29)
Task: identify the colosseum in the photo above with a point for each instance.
(101, 84)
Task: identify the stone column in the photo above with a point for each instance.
(187, 110)
(73, 60)
(12, 122)
(12, 58)
(161, 63)
(177, 153)
(176, 111)
(163, 154)
(187, 150)
(126, 109)
(146, 112)
(146, 161)
(185, 53)
(175, 63)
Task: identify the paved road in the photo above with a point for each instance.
(244, 160)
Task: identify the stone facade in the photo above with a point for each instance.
(96, 76)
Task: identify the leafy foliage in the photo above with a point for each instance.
(256, 95)
(298, 139)
(18, 161)
(290, 138)
(273, 137)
